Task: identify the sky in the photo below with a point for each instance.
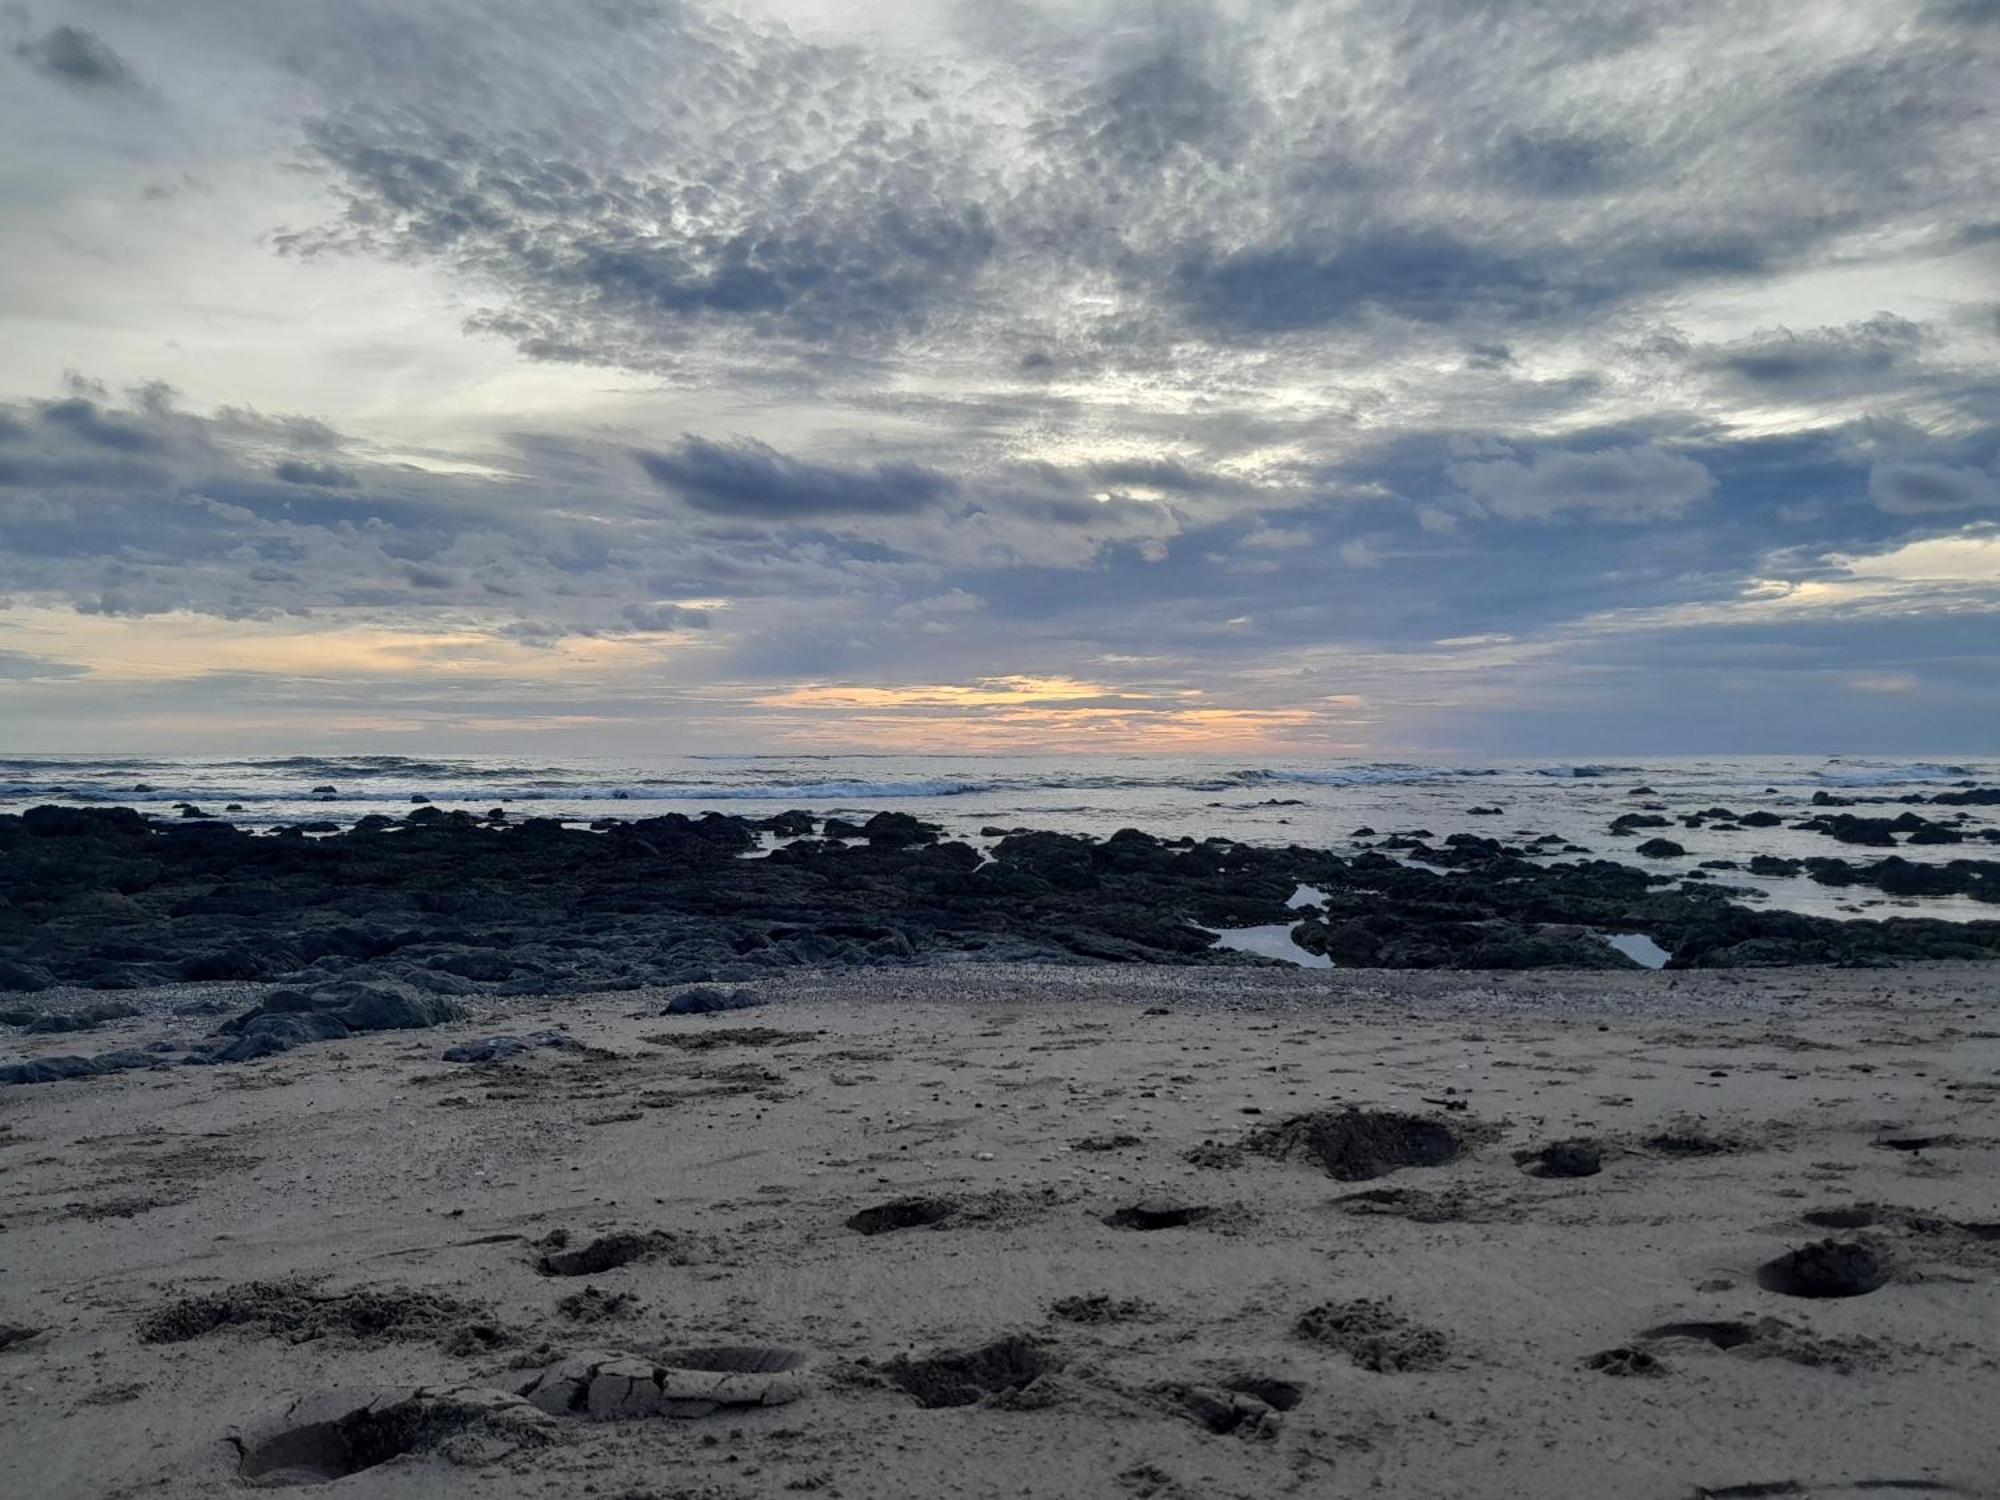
(1057, 376)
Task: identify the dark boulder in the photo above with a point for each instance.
(897, 830)
(705, 1000)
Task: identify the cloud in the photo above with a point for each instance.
(1558, 165)
(766, 186)
(1779, 357)
(1423, 276)
(325, 476)
(77, 58)
(82, 417)
(19, 666)
(940, 614)
(1915, 489)
(659, 617)
(1005, 338)
(751, 481)
(1613, 484)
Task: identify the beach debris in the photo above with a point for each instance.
(608, 1386)
(1247, 1406)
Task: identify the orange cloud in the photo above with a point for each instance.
(984, 692)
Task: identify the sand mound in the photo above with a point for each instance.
(1353, 1145)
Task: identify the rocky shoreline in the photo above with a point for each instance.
(392, 924)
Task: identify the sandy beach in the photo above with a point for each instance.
(1197, 1232)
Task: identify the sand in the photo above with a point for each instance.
(1063, 1173)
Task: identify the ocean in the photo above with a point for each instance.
(1320, 803)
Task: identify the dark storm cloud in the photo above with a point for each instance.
(751, 481)
(757, 198)
(78, 58)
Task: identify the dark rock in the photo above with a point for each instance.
(1627, 822)
(1660, 849)
(22, 978)
(705, 1000)
(47, 1070)
(1984, 796)
(897, 830)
